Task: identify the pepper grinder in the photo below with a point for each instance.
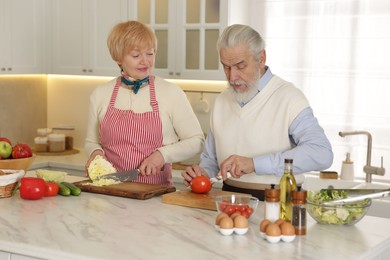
(347, 171)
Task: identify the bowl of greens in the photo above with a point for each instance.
(338, 214)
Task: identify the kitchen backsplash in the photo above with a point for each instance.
(29, 102)
(23, 106)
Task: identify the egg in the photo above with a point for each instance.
(264, 224)
(235, 214)
(287, 229)
(279, 222)
(220, 216)
(240, 222)
(273, 230)
(226, 223)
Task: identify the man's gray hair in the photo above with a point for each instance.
(237, 34)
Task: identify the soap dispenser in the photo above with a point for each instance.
(347, 171)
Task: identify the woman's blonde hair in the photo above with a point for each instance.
(127, 36)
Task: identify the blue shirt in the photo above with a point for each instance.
(311, 149)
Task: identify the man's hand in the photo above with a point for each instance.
(237, 166)
(191, 172)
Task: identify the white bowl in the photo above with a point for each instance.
(288, 238)
(226, 231)
(273, 239)
(241, 231)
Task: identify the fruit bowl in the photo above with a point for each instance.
(340, 214)
(17, 164)
(236, 204)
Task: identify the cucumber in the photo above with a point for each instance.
(63, 190)
(74, 190)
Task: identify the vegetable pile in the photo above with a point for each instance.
(343, 214)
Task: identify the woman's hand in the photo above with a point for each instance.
(152, 164)
(91, 157)
(191, 172)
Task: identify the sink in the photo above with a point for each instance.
(379, 207)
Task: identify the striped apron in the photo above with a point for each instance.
(127, 138)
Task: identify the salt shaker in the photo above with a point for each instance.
(272, 206)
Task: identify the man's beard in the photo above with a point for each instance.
(250, 91)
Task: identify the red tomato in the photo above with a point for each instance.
(229, 210)
(32, 188)
(201, 184)
(51, 189)
(21, 151)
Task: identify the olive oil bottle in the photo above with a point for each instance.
(287, 185)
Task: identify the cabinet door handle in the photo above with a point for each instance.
(90, 70)
(84, 70)
(171, 73)
(2, 69)
(9, 69)
(178, 73)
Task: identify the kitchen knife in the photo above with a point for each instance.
(122, 176)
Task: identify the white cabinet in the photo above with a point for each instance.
(22, 36)
(79, 31)
(187, 32)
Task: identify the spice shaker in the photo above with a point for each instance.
(272, 206)
(299, 211)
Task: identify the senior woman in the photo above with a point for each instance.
(139, 120)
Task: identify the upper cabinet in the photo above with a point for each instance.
(79, 31)
(187, 32)
(22, 36)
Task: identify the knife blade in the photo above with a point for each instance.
(122, 176)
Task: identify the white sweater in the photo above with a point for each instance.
(182, 134)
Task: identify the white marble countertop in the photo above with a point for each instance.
(93, 226)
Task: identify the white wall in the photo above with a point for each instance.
(337, 53)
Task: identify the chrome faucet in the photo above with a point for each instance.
(368, 169)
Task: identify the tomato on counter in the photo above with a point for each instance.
(32, 188)
(51, 189)
(201, 184)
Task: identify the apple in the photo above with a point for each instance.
(21, 151)
(5, 149)
(5, 139)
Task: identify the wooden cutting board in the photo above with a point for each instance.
(188, 198)
(133, 190)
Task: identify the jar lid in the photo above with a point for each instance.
(299, 196)
(272, 194)
(40, 140)
(56, 137)
(44, 131)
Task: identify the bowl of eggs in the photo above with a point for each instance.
(244, 205)
(279, 230)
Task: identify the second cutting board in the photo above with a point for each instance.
(188, 198)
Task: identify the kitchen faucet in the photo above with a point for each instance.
(368, 169)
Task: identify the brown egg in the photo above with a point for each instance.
(279, 222)
(273, 230)
(235, 214)
(219, 217)
(226, 223)
(287, 229)
(264, 224)
(240, 222)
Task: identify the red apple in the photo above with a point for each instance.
(5, 139)
(21, 151)
(5, 149)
